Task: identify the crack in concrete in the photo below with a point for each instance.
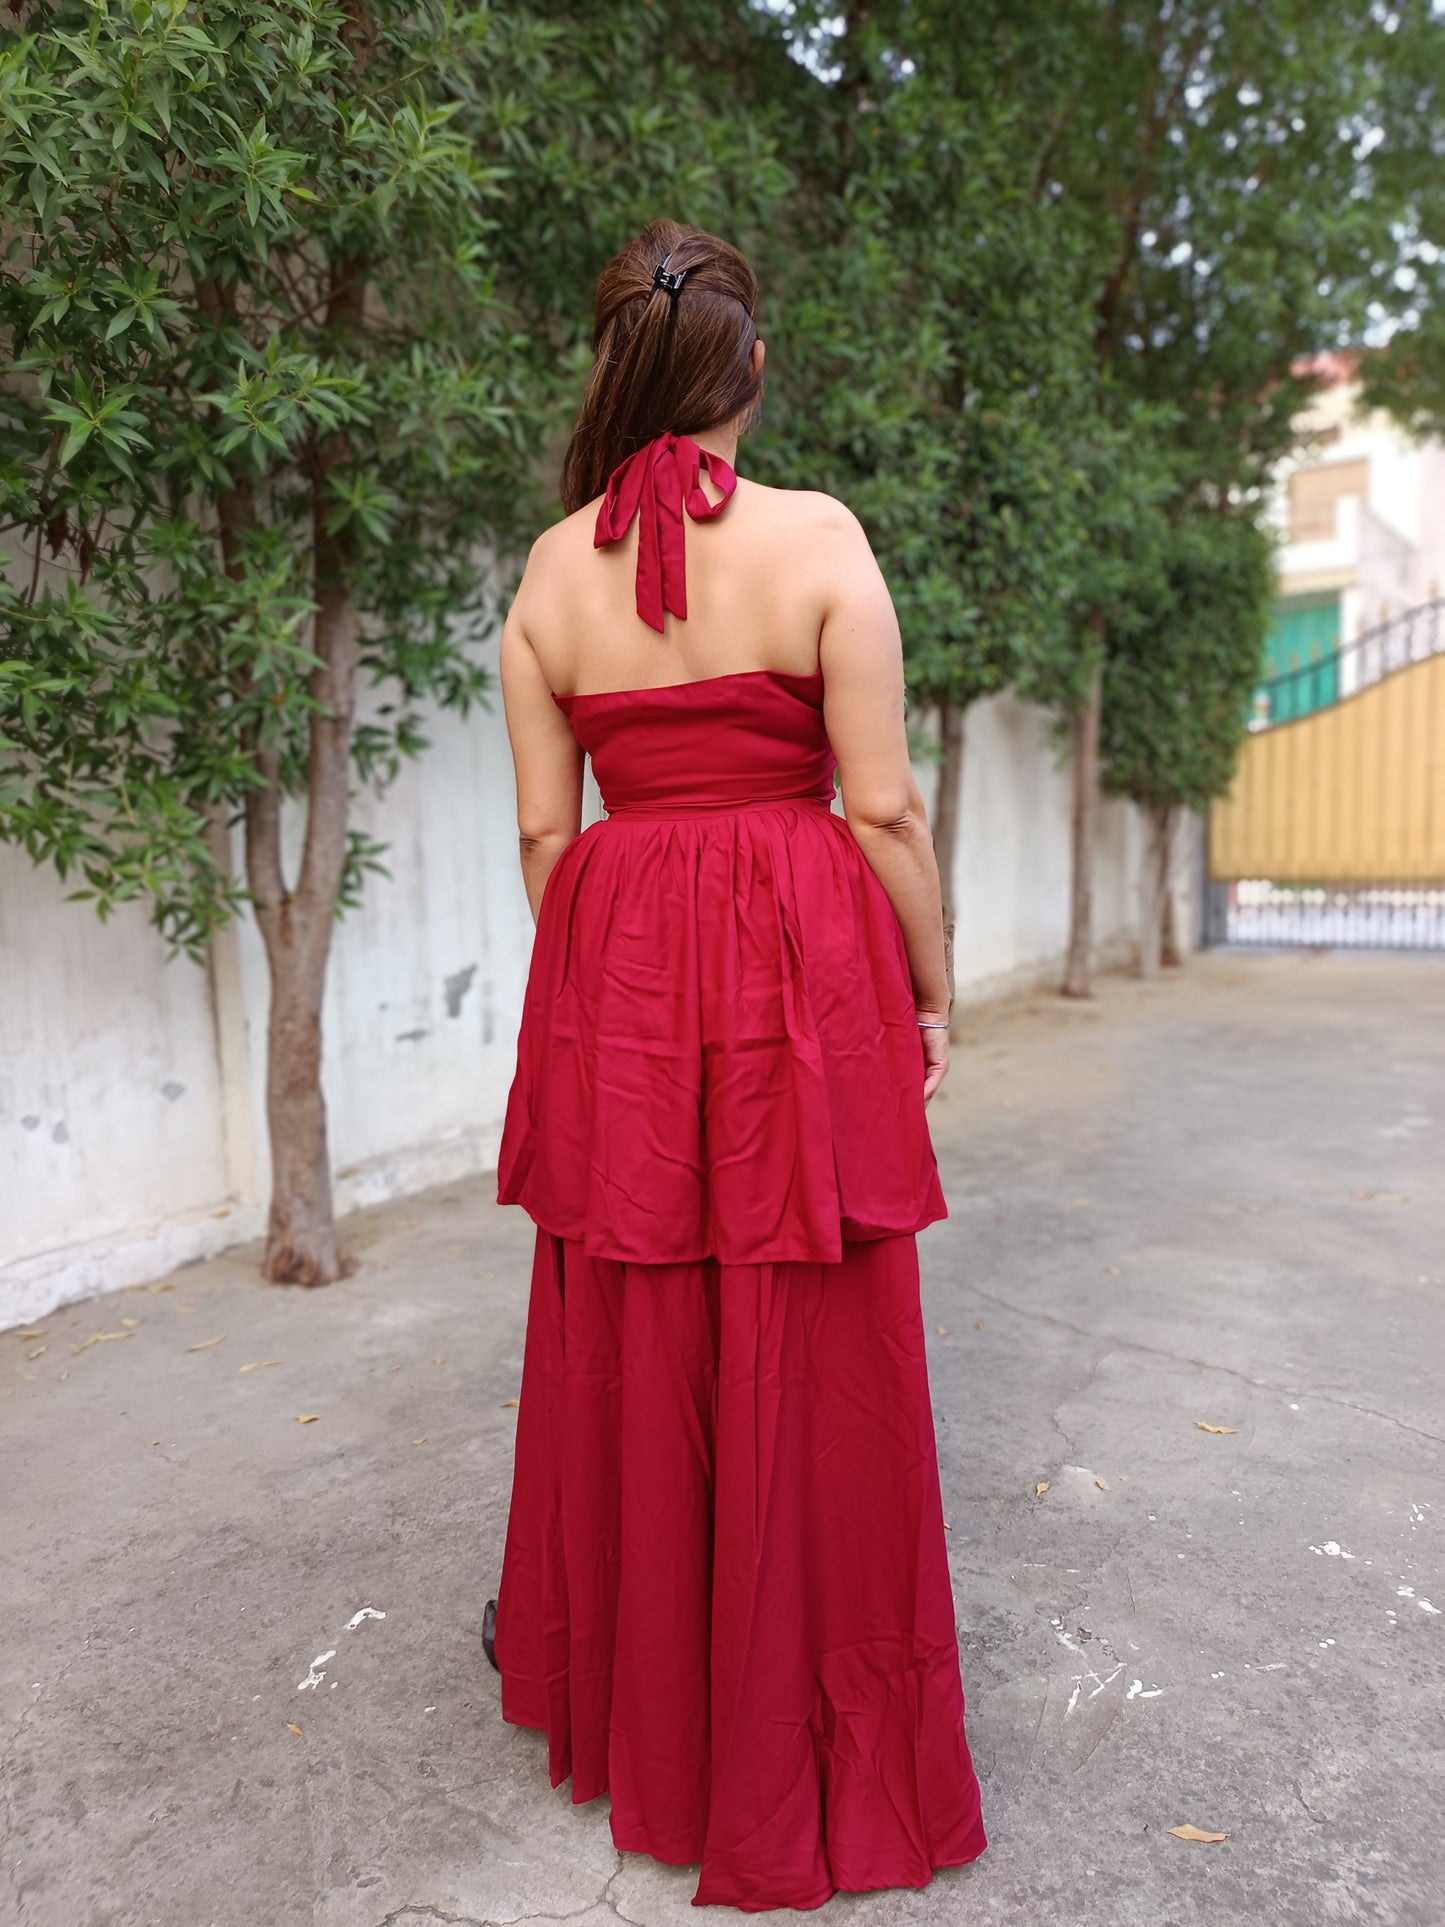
(1318, 1818)
(8, 1763)
(1114, 1343)
(1079, 1391)
(422, 1910)
(1369, 1411)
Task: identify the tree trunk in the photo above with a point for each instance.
(1154, 887)
(301, 1228)
(1171, 950)
(296, 925)
(1085, 732)
(947, 809)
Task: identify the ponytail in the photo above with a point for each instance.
(673, 340)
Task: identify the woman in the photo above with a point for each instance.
(725, 1595)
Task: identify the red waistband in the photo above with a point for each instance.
(667, 812)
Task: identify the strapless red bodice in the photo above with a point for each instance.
(719, 1053)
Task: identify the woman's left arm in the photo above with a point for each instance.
(546, 755)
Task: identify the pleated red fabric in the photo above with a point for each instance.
(719, 1052)
(725, 1595)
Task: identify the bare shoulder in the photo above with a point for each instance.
(554, 555)
(803, 511)
(565, 538)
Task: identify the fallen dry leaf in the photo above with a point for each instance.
(1187, 1832)
(947, 1526)
(183, 1308)
(39, 1352)
(418, 1441)
(294, 1729)
(942, 1330)
(510, 1401)
(36, 1331)
(1113, 1270)
(1101, 1485)
(439, 1361)
(1041, 1488)
(206, 1344)
(130, 1323)
(1204, 1427)
(307, 1418)
(97, 1338)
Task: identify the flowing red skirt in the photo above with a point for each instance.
(725, 1597)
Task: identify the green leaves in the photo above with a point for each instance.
(1184, 654)
(292, 274)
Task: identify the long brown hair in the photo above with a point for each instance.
(664, 362)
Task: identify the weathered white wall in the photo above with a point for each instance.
(1011, 881)
(131, 1121)
(424, 991)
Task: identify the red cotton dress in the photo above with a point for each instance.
(725, 1595)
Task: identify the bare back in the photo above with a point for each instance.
(778, 580)
(757, 596)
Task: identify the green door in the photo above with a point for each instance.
(1301, 661)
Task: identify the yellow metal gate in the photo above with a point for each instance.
(1334, 831)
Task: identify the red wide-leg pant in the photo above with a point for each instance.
(725, 1597)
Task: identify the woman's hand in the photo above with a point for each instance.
(933, 1029)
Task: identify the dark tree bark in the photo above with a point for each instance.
(1078, 962)
(1172, 949)
(1154, 887)
(296, 924)
(947, 810)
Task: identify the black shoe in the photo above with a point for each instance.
(489, 1632)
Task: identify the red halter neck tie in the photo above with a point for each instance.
(656, 485)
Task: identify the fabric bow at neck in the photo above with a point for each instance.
(656, 485)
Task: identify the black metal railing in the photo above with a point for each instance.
(1412, 636)
(1406, 913)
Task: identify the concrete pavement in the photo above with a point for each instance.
(241, 1683)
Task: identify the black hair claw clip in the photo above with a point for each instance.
(671, 282)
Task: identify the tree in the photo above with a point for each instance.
(1183, 656)
(273, 417)
(1244, 181)
(936, 359)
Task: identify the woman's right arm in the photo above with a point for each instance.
(545, 754)
(861, 656)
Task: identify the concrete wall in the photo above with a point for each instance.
(1011, 883)
(131, 1119)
